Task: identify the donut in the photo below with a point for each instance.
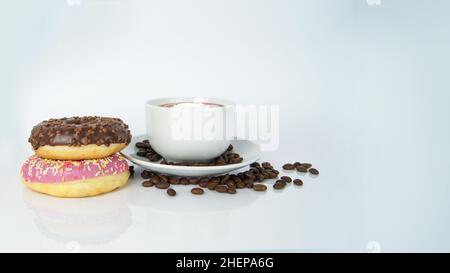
(75, 178)
(79, 138)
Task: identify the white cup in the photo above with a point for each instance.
(192, 129)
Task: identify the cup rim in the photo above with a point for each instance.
(156, 103)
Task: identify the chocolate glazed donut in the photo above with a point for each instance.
(79, 138)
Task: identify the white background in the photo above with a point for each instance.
(363, 92)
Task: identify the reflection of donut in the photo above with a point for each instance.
(75, 178)
(66, 220)
(79, 138)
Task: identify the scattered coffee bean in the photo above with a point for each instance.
(140, 145)
(193, 181)
(163, 178)
(174, 180)
(171, 192)
(288, 166)
(254, 164)
(306, 165)
(155, 180)
(204, 180)
(147, 183)
(211, 185)
(227, 183)
(162, 185)
(224, 179)
(145, 174)
(131, 170)
(221, 188)
(141, 153)
(184, 181)
(227, 157)
(273, 175)
(197, 191)
(280, 184)
(286, 179)
(298, 182)
(231, 185)
(259, 187)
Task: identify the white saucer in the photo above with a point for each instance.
(248, 150)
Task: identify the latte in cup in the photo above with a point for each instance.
(191, 104)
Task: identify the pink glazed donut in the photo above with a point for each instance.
(75, 178)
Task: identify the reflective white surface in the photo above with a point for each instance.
(363, 95)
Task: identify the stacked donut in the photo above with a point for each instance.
(77, 157)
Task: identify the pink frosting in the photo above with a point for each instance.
(37, 169)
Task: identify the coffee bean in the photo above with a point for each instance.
(154, 157)
(286, 179)
(184, 181)
(215, 179)
(280, 184)
(249, 175)
(296, 164)
(273, 175)
(211, 185)
(145, 174)
(302, 169)
(147, 184)
(162, 185)
(221, 188)
(235, 160)
(230, 148)
(313, 171)
(255, 164)
(240, 185)
(306, 165)
(193, 181)
(231, 185)
(131, 170)
(174, 180)
(288, 166)
(224, 179)
(163, 178)
(141, 153)
(204, 180)
(197, 191)
(140, 145)
(231, 190)
(237, 180)
(298, 182)
(259, 187)
(155, 180)
(171, 192)
(266, 165)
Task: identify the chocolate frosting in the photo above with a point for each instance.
(77, 131)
